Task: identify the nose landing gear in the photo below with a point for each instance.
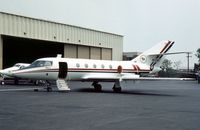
(45, 84)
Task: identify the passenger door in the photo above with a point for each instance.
(63, 69)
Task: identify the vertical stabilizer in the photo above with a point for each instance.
(153, 55)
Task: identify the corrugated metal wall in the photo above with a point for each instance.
(106, 54)
(95, 53)
(26, 27)
(70, 51)
(1, 52)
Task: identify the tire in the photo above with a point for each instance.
(198, 78)
(49, 89)
(98, 88)
(3, 83)
(117, 90)
(36, 90)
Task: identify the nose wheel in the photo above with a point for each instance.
(45, 84)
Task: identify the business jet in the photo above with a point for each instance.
(63, 70)
(5, 72)
(17, 66)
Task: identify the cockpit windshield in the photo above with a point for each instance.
(39, 63)
(16, 65)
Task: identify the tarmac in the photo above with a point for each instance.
(143, 105)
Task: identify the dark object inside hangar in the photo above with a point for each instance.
(22, 50)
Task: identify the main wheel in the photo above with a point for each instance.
(97, 87)
(117, 89)
(49, 89)
(35, 90)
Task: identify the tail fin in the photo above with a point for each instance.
(153, 56)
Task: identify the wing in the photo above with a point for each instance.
(109, 77)
(124, 77)
(160, 78)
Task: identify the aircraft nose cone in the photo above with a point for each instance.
(1, 74)
(8, 73)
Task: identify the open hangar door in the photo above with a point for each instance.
(21, 50)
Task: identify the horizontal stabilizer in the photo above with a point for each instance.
(173, 53)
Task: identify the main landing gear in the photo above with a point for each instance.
(97, 86)
(116, 88)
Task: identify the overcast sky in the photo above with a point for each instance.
(143, 23)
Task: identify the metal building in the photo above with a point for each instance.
(24, 39)
(130, 55)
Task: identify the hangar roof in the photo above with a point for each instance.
(60, 23)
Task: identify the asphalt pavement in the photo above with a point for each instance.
(144, 105)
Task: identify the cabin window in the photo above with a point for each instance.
(86, 65)
(47, 63)
(110, 66)
(94, 66)
(102, 66)
(77, 65)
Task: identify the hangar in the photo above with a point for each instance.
(24, 39)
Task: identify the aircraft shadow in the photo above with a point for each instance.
(127, 92)
(91, 90)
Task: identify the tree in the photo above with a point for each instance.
(198, 55)
(167, 69)
(177, 64)
(166, 65)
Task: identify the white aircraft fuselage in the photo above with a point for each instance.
(6, 73)
(60, 69)
(78, 68)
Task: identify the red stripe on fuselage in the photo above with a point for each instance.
(136, 69)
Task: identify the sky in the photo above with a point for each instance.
(143, 23)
